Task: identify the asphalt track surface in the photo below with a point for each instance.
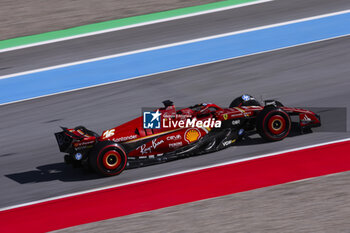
(315, 75)
(165, 33)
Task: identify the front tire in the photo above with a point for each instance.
(273, 124)
(108, 158)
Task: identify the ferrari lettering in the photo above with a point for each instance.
(83, 143)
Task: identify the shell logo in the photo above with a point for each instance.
(192, 135)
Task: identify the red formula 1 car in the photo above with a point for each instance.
(167, 133)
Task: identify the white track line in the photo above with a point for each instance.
(136, 25)
(175, 173)
(175, 44)
(169, 45)
(163, 72)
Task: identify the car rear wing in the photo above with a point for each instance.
(70, 140)
(64, 139)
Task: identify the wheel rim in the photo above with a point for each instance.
(111, 160)
(277, 124)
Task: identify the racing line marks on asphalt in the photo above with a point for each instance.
(176, 173)
(137, 25)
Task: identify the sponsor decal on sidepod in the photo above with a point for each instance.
(175, 145)
(192, 135)
(145, 150)
(126, 138)
(174, 137)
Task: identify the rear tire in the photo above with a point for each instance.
(273, 124)
(108, 158)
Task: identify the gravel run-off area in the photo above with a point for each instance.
(28, 17)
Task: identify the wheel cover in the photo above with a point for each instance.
(111, 160)
(276, 124)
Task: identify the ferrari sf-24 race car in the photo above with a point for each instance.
(168, 134)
